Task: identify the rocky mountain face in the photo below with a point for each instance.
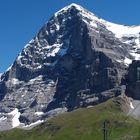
(133, 80)
(75, 60)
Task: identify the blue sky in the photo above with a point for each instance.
(20, 20)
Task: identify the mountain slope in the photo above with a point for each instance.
(75, 60)
(82, 124)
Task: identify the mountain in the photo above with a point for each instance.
(76, 60)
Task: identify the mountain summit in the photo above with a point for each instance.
(75, 60)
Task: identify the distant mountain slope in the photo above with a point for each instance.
(82, 124)
(76, 59)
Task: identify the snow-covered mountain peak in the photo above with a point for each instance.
(53, 40)
(67, 8)
(93, 20)
(75, 5)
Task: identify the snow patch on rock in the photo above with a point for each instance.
(3, 118)
(127, 61)
(131, 105)
(0, 76)
(135, 55)
(33, 124)
(15, 117)
(39, 113)
(121, 30)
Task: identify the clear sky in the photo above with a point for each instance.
(20, 20)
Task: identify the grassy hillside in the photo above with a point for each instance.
(82, 124)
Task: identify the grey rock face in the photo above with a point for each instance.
(133, 80)
(69, 64)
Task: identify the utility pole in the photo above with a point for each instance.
(138, 137)
(105, 130)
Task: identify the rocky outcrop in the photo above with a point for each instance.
(133, 80)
